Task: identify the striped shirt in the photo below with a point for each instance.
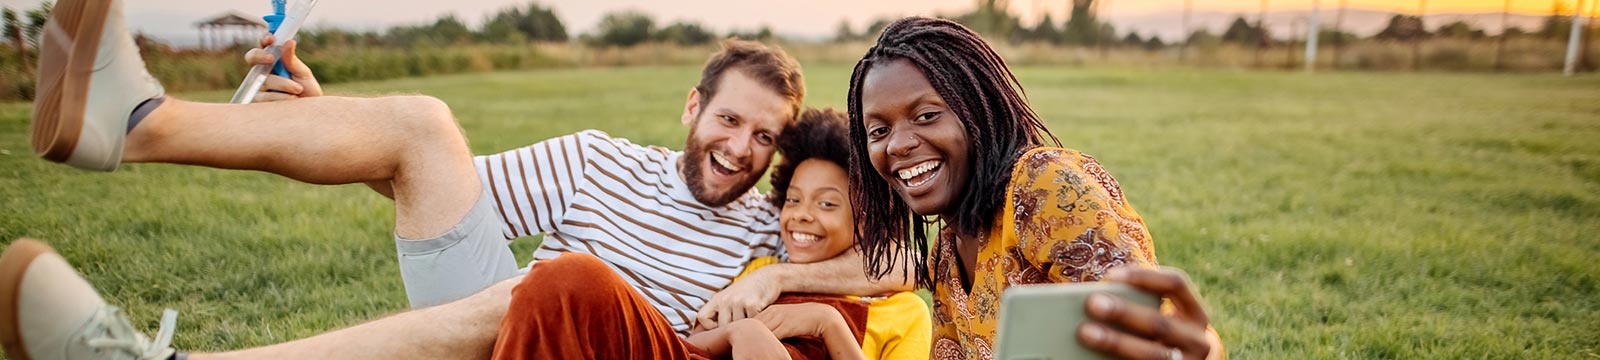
(627, 205)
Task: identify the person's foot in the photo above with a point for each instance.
(91, 79)
(48, 311)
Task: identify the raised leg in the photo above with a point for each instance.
(411, 143)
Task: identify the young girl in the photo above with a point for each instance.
(812, 188)
(940, 132)
(603, 317)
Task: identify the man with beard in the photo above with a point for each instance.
(677, 225)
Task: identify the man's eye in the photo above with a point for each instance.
(764, 139)
(728, 119)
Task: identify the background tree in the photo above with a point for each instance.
(1108, 33)
(501, 32)
(35, 26)
(1404, 28)
(1460, 29)
(1557, 25)
(1046, 31)
(876, 28)
(624, 28)
(762, 34)
(1133, 39)
(1241, 31)
(335, 37)
(12, 30)
(534, 22)
(1080, 27)
(12, 27)
(685, 33)
(991, 20)
(844, 33)
(1514, 31)
(1335, 37)
(1203, 38)
(1154, 43)
(447, 30)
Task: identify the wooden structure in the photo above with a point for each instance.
(230, 28)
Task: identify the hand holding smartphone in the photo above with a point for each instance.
(1038, 322)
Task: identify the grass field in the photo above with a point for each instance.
(1329, 216)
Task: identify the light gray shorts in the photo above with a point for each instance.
(471, 257)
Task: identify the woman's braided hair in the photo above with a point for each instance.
(999, 125)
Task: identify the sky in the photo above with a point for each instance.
(803, 18)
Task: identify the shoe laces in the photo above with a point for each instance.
(115, 333)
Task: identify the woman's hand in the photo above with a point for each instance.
(1141, 332)
(301, 83)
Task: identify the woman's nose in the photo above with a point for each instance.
(902, 144)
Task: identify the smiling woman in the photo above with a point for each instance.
(940, 130)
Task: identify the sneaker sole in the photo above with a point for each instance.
(64, 85)
(13, 263)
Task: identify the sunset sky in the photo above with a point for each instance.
(813, 18)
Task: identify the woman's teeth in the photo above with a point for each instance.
(729, 165)
(910, 175)
(804, 239)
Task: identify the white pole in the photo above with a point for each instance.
(1311, 38)
(1572, 41)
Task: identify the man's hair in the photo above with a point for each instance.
(994, 113)
(767, 65)
(815, 134)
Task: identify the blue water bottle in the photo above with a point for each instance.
(278, 13)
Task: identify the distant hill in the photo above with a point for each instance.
(1169, 24)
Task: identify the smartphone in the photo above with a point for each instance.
(1040, 322)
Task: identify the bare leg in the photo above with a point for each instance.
(409, 143)
(464, 329)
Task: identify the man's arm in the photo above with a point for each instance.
(842, 275)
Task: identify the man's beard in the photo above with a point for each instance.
(695, 156)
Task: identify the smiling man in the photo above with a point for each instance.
(678, 226)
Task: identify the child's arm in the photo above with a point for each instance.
(813, 319)
(743, 339)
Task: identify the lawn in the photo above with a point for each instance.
(1355, 215)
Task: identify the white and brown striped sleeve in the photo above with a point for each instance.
(764, 231)
(532, 186)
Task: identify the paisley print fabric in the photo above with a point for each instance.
(1065, 220)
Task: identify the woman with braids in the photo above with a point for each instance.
(942, 134)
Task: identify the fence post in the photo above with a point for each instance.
(1262, 36)
(1500, 44)
(1311, 39)
(1572, 40)
(1416, 41)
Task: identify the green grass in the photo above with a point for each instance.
(1328, 216)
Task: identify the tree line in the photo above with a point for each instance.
(534, 22)
(1083, 28)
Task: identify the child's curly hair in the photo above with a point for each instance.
(815, 134)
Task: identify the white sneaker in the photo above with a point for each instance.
(90, 80)
(48, 312)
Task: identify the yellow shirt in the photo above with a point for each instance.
(898, 326)
(1064, 220)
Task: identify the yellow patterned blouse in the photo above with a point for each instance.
(1064, 220)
